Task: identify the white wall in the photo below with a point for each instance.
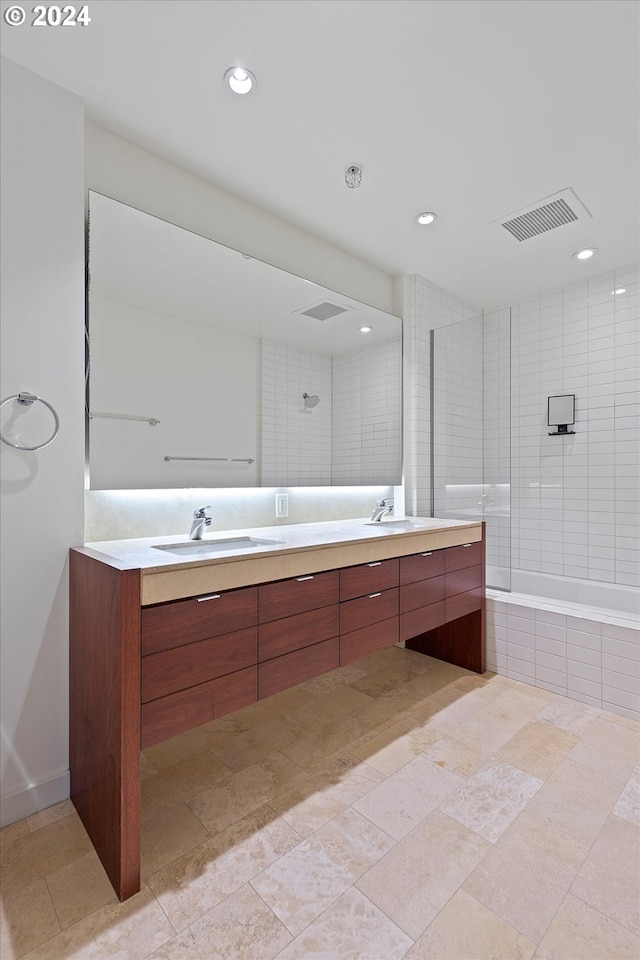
(121, 170)
(575, 500)
(44, 197)
(41, 492)
(199, 381)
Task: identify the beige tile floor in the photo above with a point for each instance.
(397, 807)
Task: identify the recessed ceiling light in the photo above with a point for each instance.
(366, 329)
(240, 80)
(585, 254)
(618, 291)
(424, 218)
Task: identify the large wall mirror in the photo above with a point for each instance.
(208, 368)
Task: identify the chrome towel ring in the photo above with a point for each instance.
(27, 399)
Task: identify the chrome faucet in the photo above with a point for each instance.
(382, 508)
(199, 522)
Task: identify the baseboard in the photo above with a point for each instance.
(35, 798)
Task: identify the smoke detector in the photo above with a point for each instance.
(353, 176)
(547, 214)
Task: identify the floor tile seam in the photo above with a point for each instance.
(599, 834)
(272, 911)
(566, 836)
(397, 922)
(55, 913)
(176, 931)
(592, 906)
(551, 921)
(554, 887)
(53, 903)
(369, 899)
(377, 826)
(484, 906)
(218, 780)
(188, 929)
(31, 832)
(598, 769)
(290, 826)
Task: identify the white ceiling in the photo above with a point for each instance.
(165, 270)
(472, 108)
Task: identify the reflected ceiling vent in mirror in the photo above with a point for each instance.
(322, 311)
(554, 211)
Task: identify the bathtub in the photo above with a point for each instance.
(576, 638)
(616, 599)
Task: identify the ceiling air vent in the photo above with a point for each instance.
(323, 311)
(547, 214)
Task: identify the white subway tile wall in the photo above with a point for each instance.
(575, 503)
(295, 440)
(574, 500)
(352, 436)
(589, 657)
(367, 404)
(428, 307)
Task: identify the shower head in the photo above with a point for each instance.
(310, 400)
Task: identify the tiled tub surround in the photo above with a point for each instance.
(587, 653)
(149, 659)
(337, 819)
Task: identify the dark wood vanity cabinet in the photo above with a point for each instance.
(298, 630)
(199, 661)
(441, 604)
(368, 609)
(140, 674)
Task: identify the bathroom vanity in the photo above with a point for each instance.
(167, 635)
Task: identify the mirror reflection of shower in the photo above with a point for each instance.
(311, 400)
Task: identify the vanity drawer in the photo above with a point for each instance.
(235, 691)
(169, 716)
(360, 643)
(469, 554)
(415, 622)
(370, 609)
(421, 566)
(368, 578)
(463, 603)
(292, 633)
(462, 580)
(194, 663)
(174, 624)
(421, 593)
(287, 597)
(283, 672)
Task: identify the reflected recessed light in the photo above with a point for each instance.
(585, 254)
(424, 218)
(366, 329)
(240, 80)
(618, 291)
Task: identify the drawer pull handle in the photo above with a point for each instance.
(300, 579)
(212, 596)
(378, 564)
(467, 544)
(428, 554)
(372, 596)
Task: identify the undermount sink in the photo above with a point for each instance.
(206, 547)
(406, 523)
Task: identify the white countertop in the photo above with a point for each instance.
(301, 549)
(142, 553)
